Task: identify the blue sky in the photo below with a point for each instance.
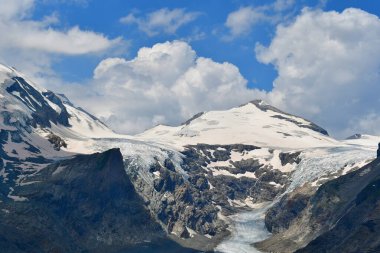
(104, 17)
(136, 64)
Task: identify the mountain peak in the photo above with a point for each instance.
(32, 111)
(7, 68)
(6, 73)
(259, 102)
(354, 137)
(264, 106)
(255, 123)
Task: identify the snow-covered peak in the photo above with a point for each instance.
(363, 140)
(7, 73)
(255, 123)
(34, 110)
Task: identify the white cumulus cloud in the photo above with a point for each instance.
(328, 67)
(32, 44)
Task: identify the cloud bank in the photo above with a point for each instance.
(328, 66)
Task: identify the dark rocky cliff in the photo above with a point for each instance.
(343, 215)
(353, 219)
(83, 204)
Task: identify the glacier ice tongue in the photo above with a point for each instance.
(322, 162)
(247, 228)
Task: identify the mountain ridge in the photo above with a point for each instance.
(193, 179)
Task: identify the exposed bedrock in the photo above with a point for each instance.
(341, 216)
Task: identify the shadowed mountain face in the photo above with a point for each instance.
(354, 217)
(83, 204)
(343, 215)
(43, 113)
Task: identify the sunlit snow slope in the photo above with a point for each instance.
(255, 123)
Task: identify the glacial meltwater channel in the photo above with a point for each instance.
(247, 228)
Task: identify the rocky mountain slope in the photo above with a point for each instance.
(86, 203)
(341, 216)
(182, 184)
(352, 222)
